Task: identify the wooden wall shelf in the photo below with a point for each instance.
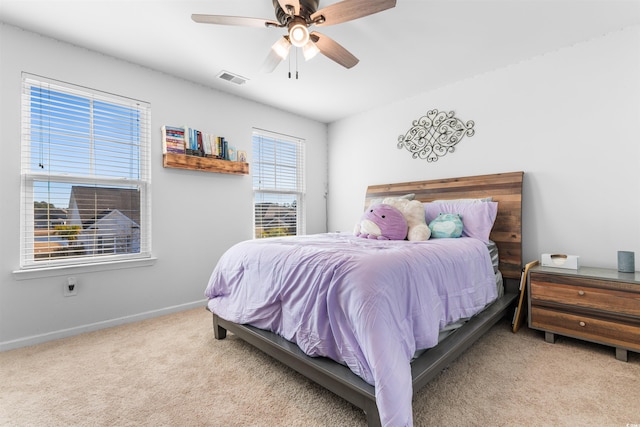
(205, 164)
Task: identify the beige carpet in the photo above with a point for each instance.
(170, 371)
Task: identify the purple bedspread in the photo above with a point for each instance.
(365, 303)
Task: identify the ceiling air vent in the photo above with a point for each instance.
(233, 78)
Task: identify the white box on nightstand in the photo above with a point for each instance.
(560, 261)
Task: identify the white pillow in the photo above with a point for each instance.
(409, 196)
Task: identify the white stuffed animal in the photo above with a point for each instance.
(413, 212)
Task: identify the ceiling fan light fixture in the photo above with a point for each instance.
(298, 33)
(310, 50)
(281, 47)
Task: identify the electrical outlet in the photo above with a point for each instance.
(70, 288)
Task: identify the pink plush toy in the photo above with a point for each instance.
(382, 222)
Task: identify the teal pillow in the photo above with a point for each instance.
(446, 225)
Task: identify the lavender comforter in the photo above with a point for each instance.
(365, 303)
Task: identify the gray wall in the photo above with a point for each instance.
(570, 119)
(196, 215)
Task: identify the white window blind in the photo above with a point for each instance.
(278, 184)
(85, 175)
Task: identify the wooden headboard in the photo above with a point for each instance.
(504, 188)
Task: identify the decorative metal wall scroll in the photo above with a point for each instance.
(434, 135)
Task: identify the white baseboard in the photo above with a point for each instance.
(63, 333)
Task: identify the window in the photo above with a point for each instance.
(85, 175)
(278, 185)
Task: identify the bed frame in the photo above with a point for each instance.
(506, 189)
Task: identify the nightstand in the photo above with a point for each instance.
(593, 304)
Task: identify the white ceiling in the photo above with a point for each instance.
(415, 47)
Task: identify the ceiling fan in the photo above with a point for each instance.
(297, 16)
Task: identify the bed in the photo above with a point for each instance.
(395, 348)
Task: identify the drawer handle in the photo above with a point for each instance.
(581, 292)
(582, 324)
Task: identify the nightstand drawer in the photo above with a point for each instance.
(582, 295)
(588, 328)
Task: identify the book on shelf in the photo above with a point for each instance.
(173, 140)
(191, 141)
(206, 145)
(218, 152)
(187, 140)
(221, 148)
(200, 144)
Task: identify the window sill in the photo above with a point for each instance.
(64, 270)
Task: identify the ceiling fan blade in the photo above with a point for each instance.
(295, 4)
(348, 10)
(270, 63)
(333, 50)
(274, 58)
(234, 20)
